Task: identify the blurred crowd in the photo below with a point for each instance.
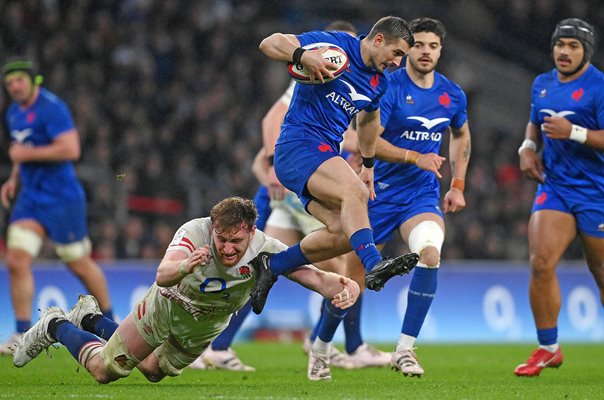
(168, 97)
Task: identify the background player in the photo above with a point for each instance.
(307, 159)
(566, 121)
(203, 278)
(43, 193)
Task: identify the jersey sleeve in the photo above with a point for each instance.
(190, 236)
(534, 116)
(461, 116)
(59, 120)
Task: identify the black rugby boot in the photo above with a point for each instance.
(264, 281)
(386, 269)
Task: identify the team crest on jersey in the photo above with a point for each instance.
(601, 227)
(543, 93)
(577, 94)
(409, 99)
(375, 81)
(444, 100)
(245, 272)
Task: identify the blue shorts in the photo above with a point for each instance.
(588, 213)
(296, 161)
(263, 205)
(385, 218)
(64, 219)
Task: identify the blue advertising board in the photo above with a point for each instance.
(475, 302)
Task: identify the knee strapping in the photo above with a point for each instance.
(426, 234)
(74, 251)
(24, 239)
(118, 361)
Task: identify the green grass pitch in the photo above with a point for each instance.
(457, 371)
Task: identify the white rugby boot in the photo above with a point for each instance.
(407, 363)
(86, 305)
(368, 356)
(224, 359)
(318, 367)
(37, 338)
(7, 348)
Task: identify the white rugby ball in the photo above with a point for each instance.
(334, 54)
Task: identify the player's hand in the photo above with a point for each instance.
(7, 192)
(430, 162)
(318, 68)
(276, 191)
(531, 165)
(454, 201)
(355, 161)
(200, 257)
(348, 295)
(366, 176)
(556, 127)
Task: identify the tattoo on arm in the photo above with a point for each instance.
(467, 151)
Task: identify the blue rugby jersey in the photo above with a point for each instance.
(38, 125)
(325, 110)
(568, 164)
(415, 118)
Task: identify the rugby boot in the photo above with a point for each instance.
(386, 269)
(264, 281)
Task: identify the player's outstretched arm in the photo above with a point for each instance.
(176, 265)
(342, 292)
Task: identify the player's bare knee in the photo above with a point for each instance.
(542, 266)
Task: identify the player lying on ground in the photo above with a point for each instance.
(202, 280)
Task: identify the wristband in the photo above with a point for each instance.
(271, 160)
(297, 56)
(182, 268)
(368, 162)
(578, 134)
(411, 157)
(458, 183)
(527, 144)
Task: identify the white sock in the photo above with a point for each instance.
(321, 347)
(550, 347)
(405, 342)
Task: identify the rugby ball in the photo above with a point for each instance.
(334, 54)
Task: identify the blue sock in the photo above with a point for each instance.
(225, 339)
(330, 319)
(284, 262)
(315, 330)
(100, 325)
(363, 244)
(108, 314)
(74, 338)
(547, 336)
(352, 326)
(23, 325)
(421, 293)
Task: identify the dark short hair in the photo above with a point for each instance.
(341, 26)
(392, 28)
(233, 213)
(428, 25)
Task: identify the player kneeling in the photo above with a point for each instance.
(180, 314)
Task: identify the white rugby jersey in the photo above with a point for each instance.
(214, 290)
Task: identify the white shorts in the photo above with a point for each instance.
(290, 214)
